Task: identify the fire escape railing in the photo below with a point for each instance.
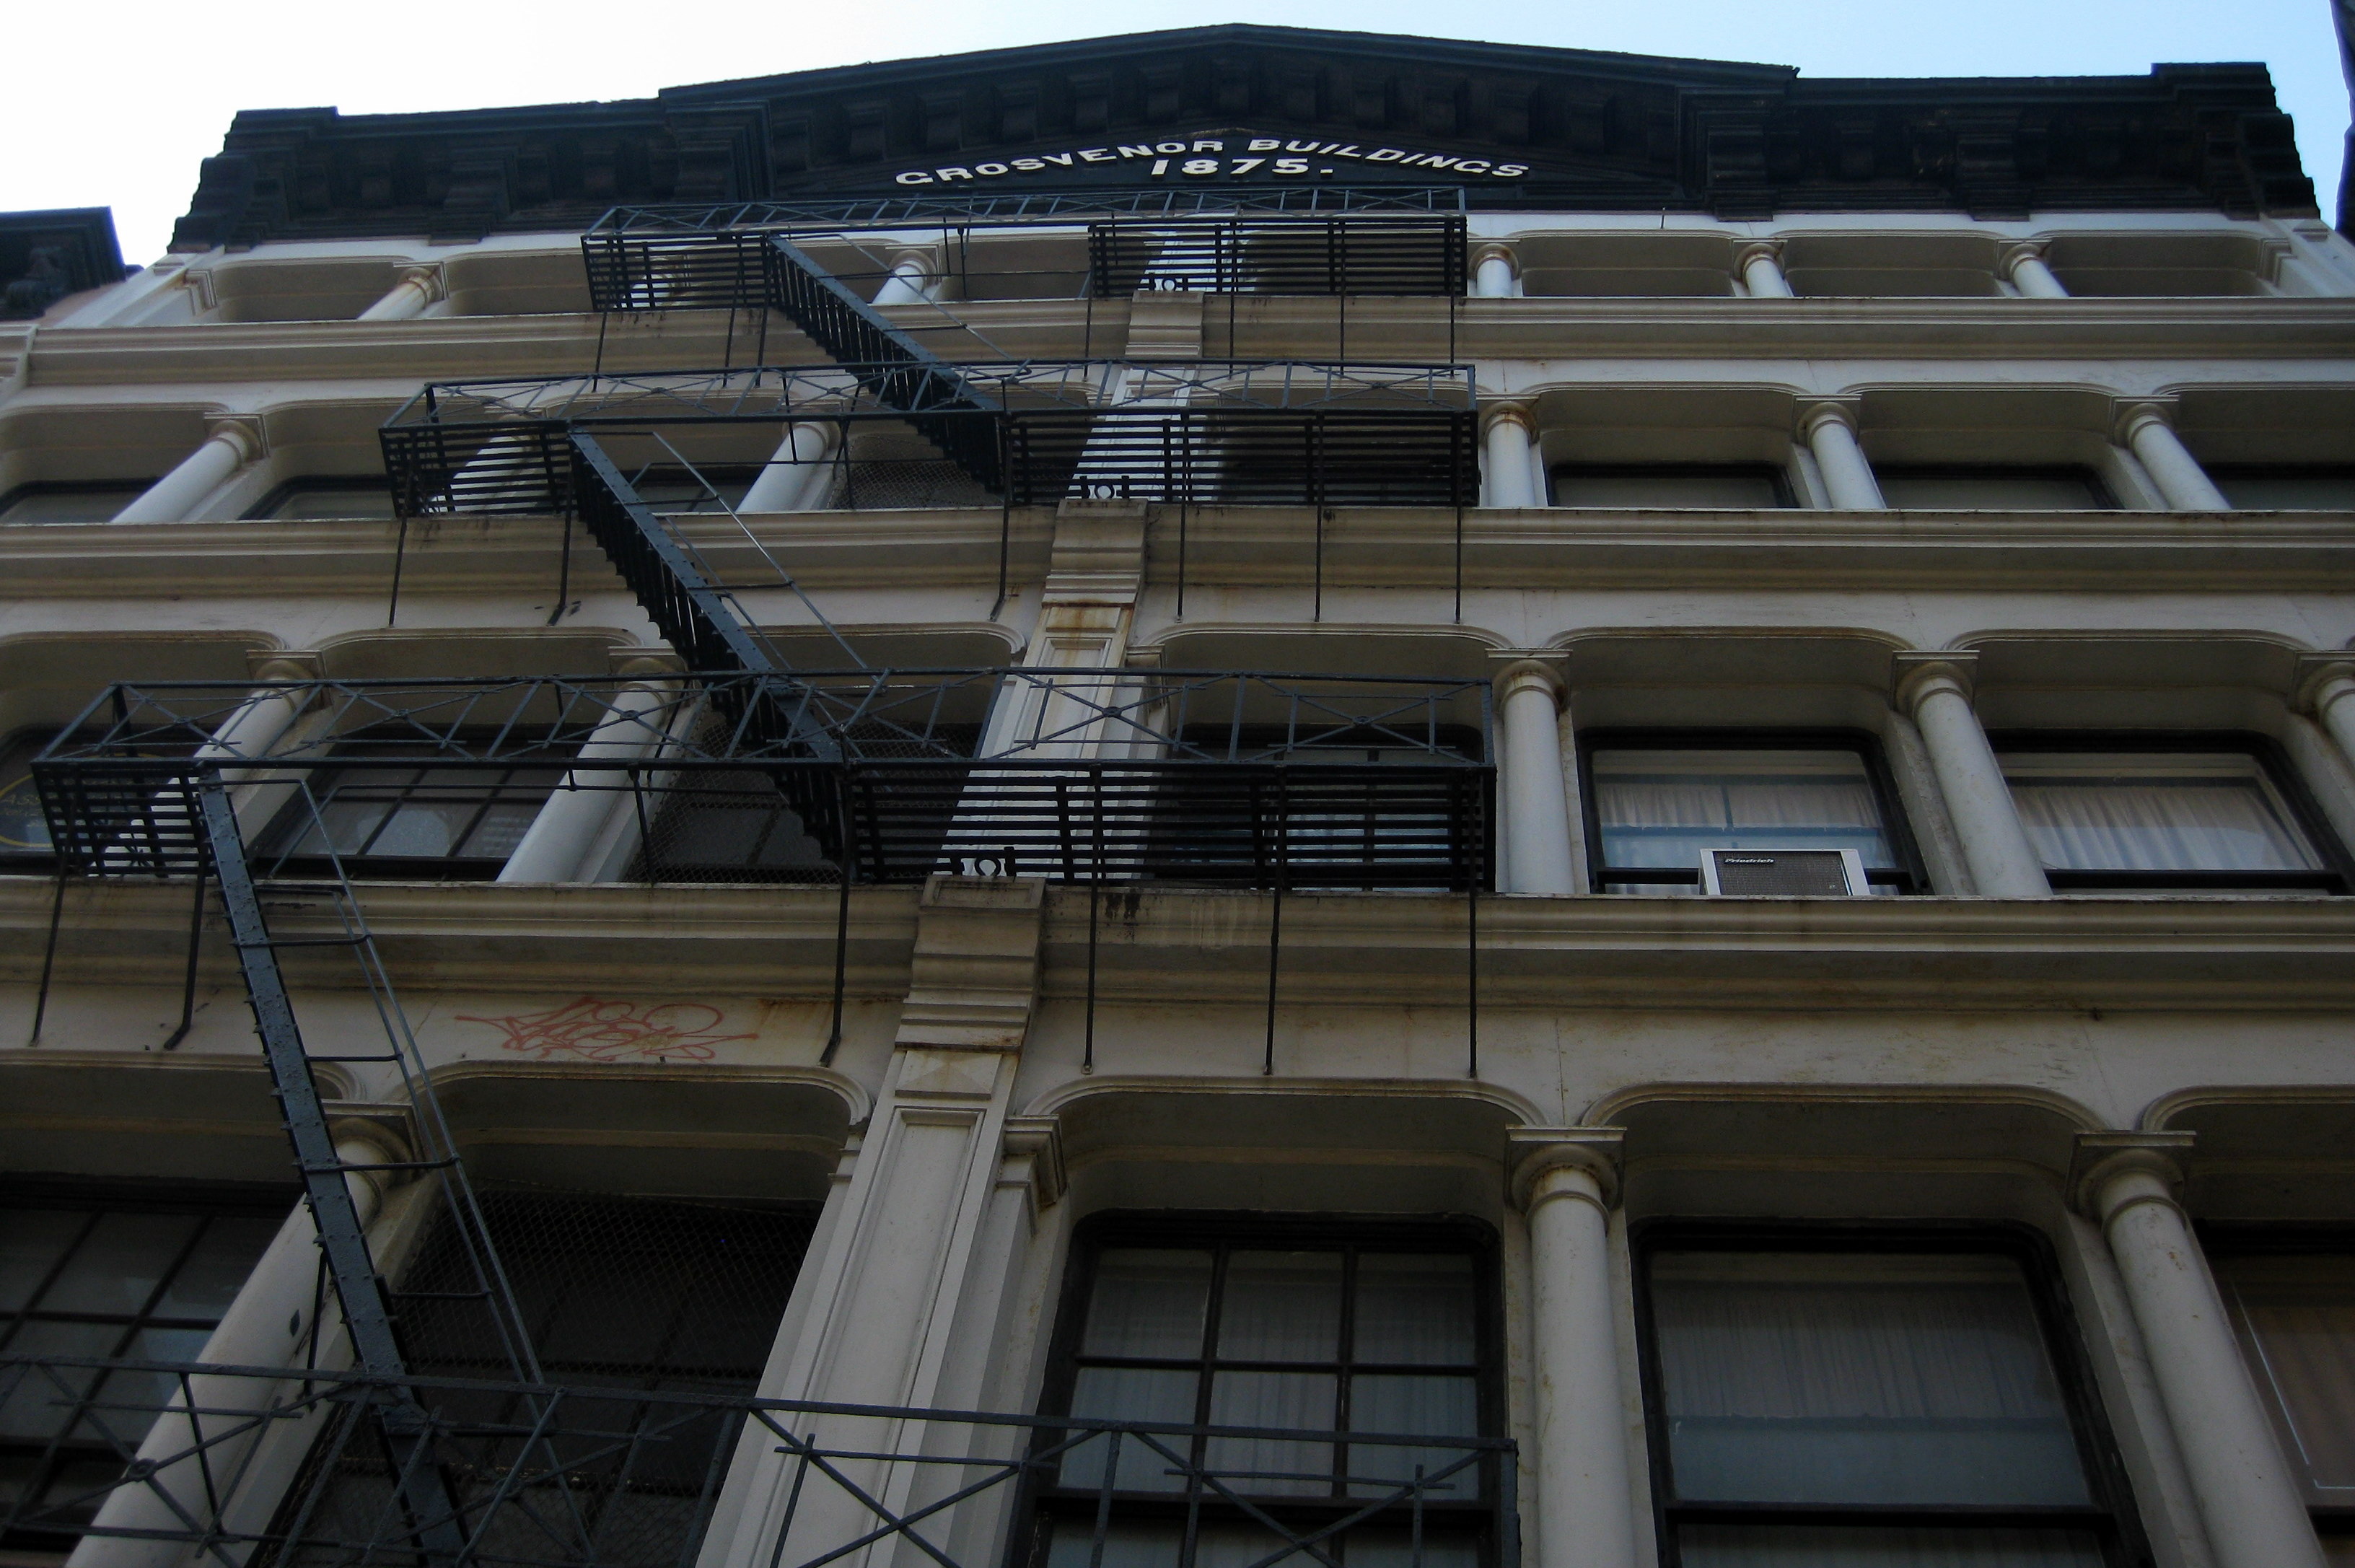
(950, 208)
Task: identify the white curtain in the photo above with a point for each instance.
(2295, 1315)
(2158, 824)
(1664, 808)
(1842, 1379)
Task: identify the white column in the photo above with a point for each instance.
(1585, 1512)
(2329, 696)
(2002, 861)
(231, 445)
(584, 800)
(2175, 471)
(796, 471)
(910, 281)
(419, 288)
(1508, 440)
(266, 714)
(2249, 1498)
(267, 1325)
(1760, 266)
(1496, 273)
(1536, 807)
(1830, 434)
(2025, 266)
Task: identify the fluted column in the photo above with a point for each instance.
(1760, 266)
(2328, 693)
(2185, 484)
(1508, 439)
(909, 280)
(229, 445)
(1536, 805)
(419, 289)
(1495, 273)
(2025, 267)
(558, 839)
(1830, 431)
(2248, 1494)
(1585, 1513)
(796, 472)
(1933, 690)
(268, 1324)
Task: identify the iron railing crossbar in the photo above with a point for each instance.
(1059, 208)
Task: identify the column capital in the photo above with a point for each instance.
(2311, 686)
(428, 279)
(1495, 251)
(244, 432)
(2131, 415)
(2102, 1158)
(1595, 1151)
(1507, 410)
(283, 663)
(1752, 250)
(1915, 675)
(2011, 255)
(1816, 413)
(1525, 669)
(634, 663)
(1038, 1142)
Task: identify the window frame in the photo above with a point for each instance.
(265, 510)
(128, 489)
(2101, 497)
(1222, 1231)
(2113, 1514)
(1787, 495)
(2336, 877)
(1910, 876)
(2258, 1239)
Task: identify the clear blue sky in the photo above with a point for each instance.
(114, 104)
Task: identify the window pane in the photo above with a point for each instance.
(1293, 1400)
(1665, 808)
(1806, 1378)
(40, 1406)
(1137, 1544)
(1281, 1307)
(224, 1256)
(2297, 1322)
(1148, 1302)
(1414, 1308)
(22, 829)
(96, 505)
(1732, 489)
(2288, 492)
(1131, 1393)
(307, 503)
(2000, 492)
(31, 1241)
(1870, 1546)
(2191, 812)
(120, 1264)
(1402, 1406)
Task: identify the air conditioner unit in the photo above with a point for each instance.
(1787, 873)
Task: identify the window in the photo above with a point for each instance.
(396, 819)
(314, 498)
(1307, 1327)
(2292, 1301)
(2286, 487)
(70, 503)
(1890, 1401)
(2164, 815)
(116, 1276)
(618, 1293)
(1989, 488)
(24, 829)
(1730, 486)
(1655, 802)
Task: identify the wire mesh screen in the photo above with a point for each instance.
(621, 1294)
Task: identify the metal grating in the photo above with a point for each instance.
(1359, 253)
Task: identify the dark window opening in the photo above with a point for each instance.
(1992, 488)
(1727, 486)
(1657, 801)
(326, 498)
(125, 1275)
(1309, 1325)
(2287, 486)
(2291, 1298)
(1820, 1398)
(69, 502)
(2168, 812)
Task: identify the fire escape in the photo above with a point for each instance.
(1242, 779)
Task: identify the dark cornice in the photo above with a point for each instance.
(80, 253)
(1599, 132)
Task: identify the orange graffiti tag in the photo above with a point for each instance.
(592, 1031)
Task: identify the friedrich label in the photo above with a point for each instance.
(1209, 157)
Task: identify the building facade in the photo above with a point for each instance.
(1209, 799)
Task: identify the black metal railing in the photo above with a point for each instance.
(1354, 254)
(275, 1467)
(903, 209)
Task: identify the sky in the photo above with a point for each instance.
(116, 106)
